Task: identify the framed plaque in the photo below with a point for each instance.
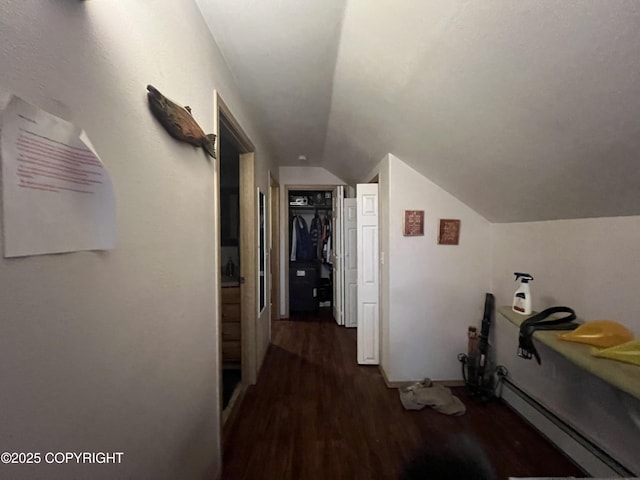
(449, 232)
(413, 223)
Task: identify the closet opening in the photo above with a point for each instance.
(310, 251)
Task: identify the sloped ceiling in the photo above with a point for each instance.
(523, 110)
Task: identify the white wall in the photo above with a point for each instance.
(295, 176)
(591, 265)
(435, 291)
(117, 350)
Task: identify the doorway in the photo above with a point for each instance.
(236, 260)
(313, 250)
(231, 331)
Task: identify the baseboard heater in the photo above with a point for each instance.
(584, 452)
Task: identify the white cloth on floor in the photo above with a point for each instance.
(426, 393)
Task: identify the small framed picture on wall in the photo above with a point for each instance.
(449, 233)
(413, 223)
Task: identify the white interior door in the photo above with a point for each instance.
(337, 244)
(368, 274)
(350, 261)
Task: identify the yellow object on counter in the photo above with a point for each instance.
(627, 352)
(599, 333)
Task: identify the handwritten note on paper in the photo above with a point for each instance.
(57, 194)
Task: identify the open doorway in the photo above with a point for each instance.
(236, 260)
(230, 259)
(313, 247)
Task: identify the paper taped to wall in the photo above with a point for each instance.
(57, 195)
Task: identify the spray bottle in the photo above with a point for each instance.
(522, 296)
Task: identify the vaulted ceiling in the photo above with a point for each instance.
(524, 110)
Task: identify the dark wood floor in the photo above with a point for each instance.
(316, 414)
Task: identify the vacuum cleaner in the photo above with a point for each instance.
(478, 378)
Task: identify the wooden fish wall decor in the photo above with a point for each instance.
(179, 122)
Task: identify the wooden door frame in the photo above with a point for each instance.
(247, 251)
(274, 247)
(248, 268)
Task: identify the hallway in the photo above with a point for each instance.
(316, 414)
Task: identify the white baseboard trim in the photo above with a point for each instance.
(406, 383)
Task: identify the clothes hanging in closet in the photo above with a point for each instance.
(325, 241)
(315, 231)
(301, 243)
